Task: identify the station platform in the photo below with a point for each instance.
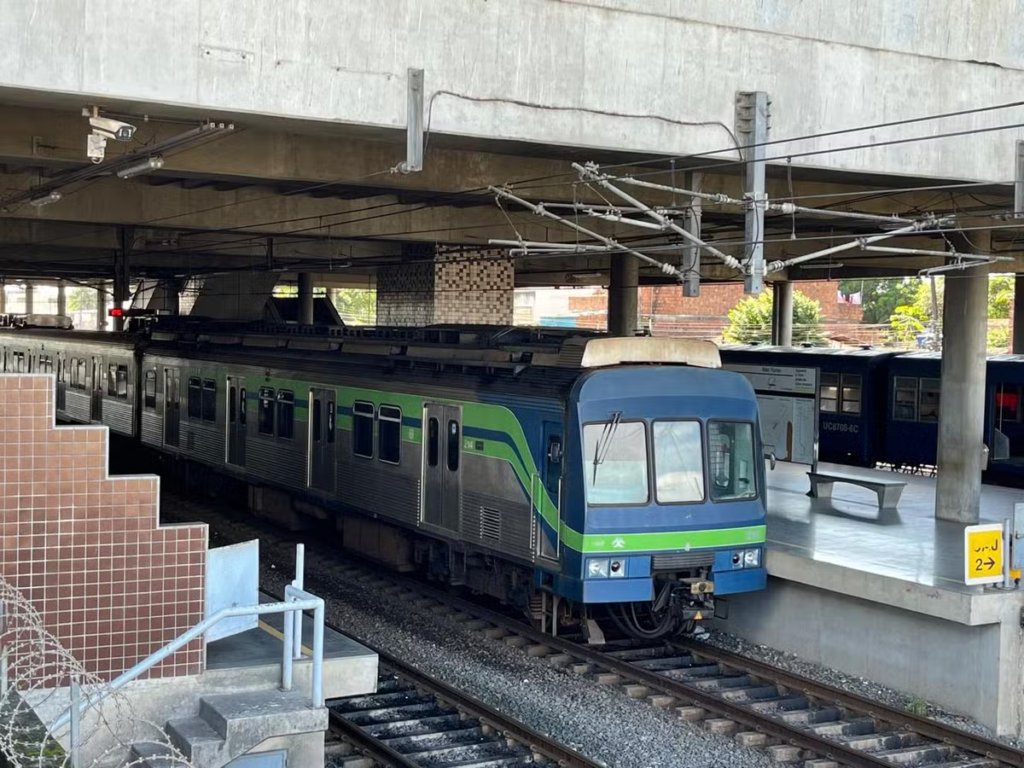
(350, 669)
(880, 594)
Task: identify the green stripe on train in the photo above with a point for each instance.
(617, 543)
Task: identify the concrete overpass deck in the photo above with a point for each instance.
(881, 595)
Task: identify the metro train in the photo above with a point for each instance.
(572, 475)
(881, 407)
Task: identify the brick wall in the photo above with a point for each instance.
(707, 314)
(471, 288)
(85, 548)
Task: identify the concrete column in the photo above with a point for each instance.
(1018, 315)
(305, 298)
(782, 313)
(101, 306)
(120, 298)
(30, 292)
(623, 295)
(962, 404)
(62, 299)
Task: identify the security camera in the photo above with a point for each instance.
(109, 128)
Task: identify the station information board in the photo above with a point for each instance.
(787, 400)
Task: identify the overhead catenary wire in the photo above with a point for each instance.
(407, 211)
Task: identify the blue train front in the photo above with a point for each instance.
(664, 493)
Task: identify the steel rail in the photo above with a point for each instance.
(947, 734)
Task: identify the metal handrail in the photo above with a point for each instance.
(296, 600)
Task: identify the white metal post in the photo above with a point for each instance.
(300, 578)
(289, 640)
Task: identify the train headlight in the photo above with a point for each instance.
(618, 569)
(597, 569)
(751, 558)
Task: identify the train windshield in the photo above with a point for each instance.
(731, 451)
(616, 466)
(678, 462)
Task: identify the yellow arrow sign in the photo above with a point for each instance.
(983, 554)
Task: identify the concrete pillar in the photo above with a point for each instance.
(1018, 315)
(101, 306)
(30, 292)
(120, 286)
(62, 299)
(962, 403)
(305, 298)
(623, 295)
(782, 313)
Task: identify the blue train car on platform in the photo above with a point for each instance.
(851, 394)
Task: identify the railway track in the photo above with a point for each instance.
(798, 720)
(414, 721)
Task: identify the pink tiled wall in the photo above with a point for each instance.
(85, 549)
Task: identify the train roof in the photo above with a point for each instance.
(863, 352)
(485, 346)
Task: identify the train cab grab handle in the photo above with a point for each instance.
(771, 458)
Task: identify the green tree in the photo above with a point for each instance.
(80, 299)
(751, 320)
(880, 298)
(357, 306)
(1000, 296)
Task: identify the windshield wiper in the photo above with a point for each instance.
(605, 442)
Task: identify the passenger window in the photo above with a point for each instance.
(433, 441)
(209, 400)
(150, 390)
(362, 429)
(285, 414)
(731, 460)
(331, 414)
(1007, 403)
(232, 403)
(904, 405)
(122, 382)
(195, 397)
(851, 394)
(242, 406)
(615, 462)
(678, 462)
(931, 392)
(317, 424)
(389, 434)
(112, 380)
(453, 445)
(828, 393)
(266, 418)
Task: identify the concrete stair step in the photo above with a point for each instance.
(196, 738)
(151, 755)
(275, 709)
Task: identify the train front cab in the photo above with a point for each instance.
(664, 504)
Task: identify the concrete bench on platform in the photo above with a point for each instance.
(889, 491)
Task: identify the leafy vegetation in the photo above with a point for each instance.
(751, 320)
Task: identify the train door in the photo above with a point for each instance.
(172, 405)
(322, 412)
(98, 384)
(237, 420)
(442, 466)
(550, 484)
